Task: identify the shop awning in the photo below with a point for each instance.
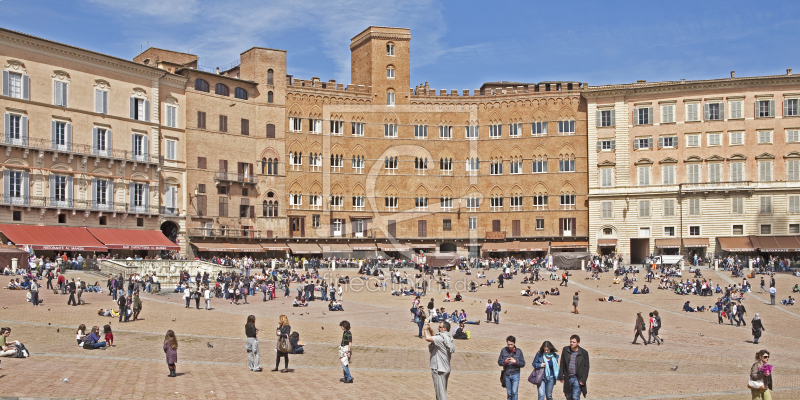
(790, 243)
(607, 242)
(569, 245)
(132, 239)
(274, 246)
(336, 248)
(513, 246)
(695, 242)
(363, 247)
(738, 244)
(305, 248)
(495, 247)
(421, 246)
(534, 246)
(58, 238)
(668, 243)
(246, 247)
(213, 246)
(775, 244)
(393, 247)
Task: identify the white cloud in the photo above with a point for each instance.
(219, 31)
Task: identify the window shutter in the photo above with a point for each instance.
(6, 178)
(6, 125)
(51, 180)
(660, 142)
(755, 112)
(64, 96)
(599, 119)
(132, 189)
(109, 147)
(649, 115)
(147, 110)
(132, 108)
(561, 227)
(613, 147)
(599, 145)
(24, 130)
(635, 118)
(26, 87)
(664, 114)
(52, 134)
(57, 94)
(772, 107)
(650, 143)
(613, 117)
(133, 143)
(785, 107)
(98, 101)
(25, 185)
(722, 110)
(69, 137)
(635, 144)
(5, 84)
(574, 227)
(95, 141)
(69, 191)
(146, 196)
(145, 148)
(706, 112)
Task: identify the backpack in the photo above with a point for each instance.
(655, 322)
(469, 335)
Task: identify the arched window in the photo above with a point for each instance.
(269, 97)
(221, 89)
(390, 97)
(270, 80)
(200, 85)
(264, 166)
(274, 166)
(264, 209)
(240, 93)
(390, 72)
(270, 194)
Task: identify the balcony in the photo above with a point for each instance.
(81, 205)
(80, 150)
(169, 211)
(718, 186)
(501, 235)
(226, 233)
(223, 176)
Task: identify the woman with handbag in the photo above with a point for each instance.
(545, 371)
(284, 347)
(760, 380)
(757, 328)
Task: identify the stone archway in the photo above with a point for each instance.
(448, 247)
(170, 230)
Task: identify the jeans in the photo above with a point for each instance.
(414, 313)
(546, 388)
(99, 345)
(420, 324)
(346, 370)
(772, 299)
(576, 388)
(512, 386)
(741, 320)
(253, 355)
(496, 317)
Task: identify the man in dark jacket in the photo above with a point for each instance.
(573, 370)
(72, 288)
(122, 303)
(511, 359)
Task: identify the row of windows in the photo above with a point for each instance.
(694, 207)
(471, 132)
(16, 190)
(496, 203)
(736, 173)
(713, 139)
(711, 111)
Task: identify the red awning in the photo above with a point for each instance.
(132, 239)
(275, 247)
(59, 238)
(607, 242)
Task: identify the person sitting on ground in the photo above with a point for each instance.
(296, 343)
(646, 290)
(636, 290)
(555, 292)
(609, 299)
(107, 313)
(543, 301)
(473, 287)
(296, 302)
(788, 302)
(687, 307)
(447, 296)
(461, 333)
(94, 340)
(458, 297)
(796, 288)
(8, 347)
(335, 306)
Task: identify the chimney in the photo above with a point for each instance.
(217, 70)
(733, 74)
(641, 81)
(788, 71)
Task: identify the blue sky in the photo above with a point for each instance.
(454, 45)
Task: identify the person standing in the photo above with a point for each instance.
(136, 304)
(34, 292)
(441, 346)
(187, 295)
(171, 350)
(740, 312)
(283, 332)
(489, 307)
(71, 289)
(253, 355)
(421, 320)
(573, 369)
(772, 292)
(511, 359)
(207, 296)
(496, 308)
(575, 303)
(122, 303)
(49, 275)
(638, 329)
(757, 327)
(548, 359)
(761, 373)
(197, 296)
(762, 286)
(345, 351)
(500, 280)
(656, 327)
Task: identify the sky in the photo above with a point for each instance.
(454, 44)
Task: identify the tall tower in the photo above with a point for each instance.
(380, 61)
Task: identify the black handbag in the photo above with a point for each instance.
(503, 377)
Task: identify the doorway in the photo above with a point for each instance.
(640, 248)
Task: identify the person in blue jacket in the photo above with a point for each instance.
(547, 358)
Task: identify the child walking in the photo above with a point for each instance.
(109, 335)
(344, 351)
(171, 349)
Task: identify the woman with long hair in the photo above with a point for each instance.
(283, 332)
(760, 382)
(639, 328)
(253, 355)
(548, 359)
(757, 328)
(81, 334)
(171, 350)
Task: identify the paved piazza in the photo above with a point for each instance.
(389, 361)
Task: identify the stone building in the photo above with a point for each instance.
(90, 140)
(695, 167)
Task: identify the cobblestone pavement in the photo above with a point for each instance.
(389, 360)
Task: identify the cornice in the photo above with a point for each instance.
(367, 36)
(676, 87)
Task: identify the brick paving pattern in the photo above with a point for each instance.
(389, 361)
